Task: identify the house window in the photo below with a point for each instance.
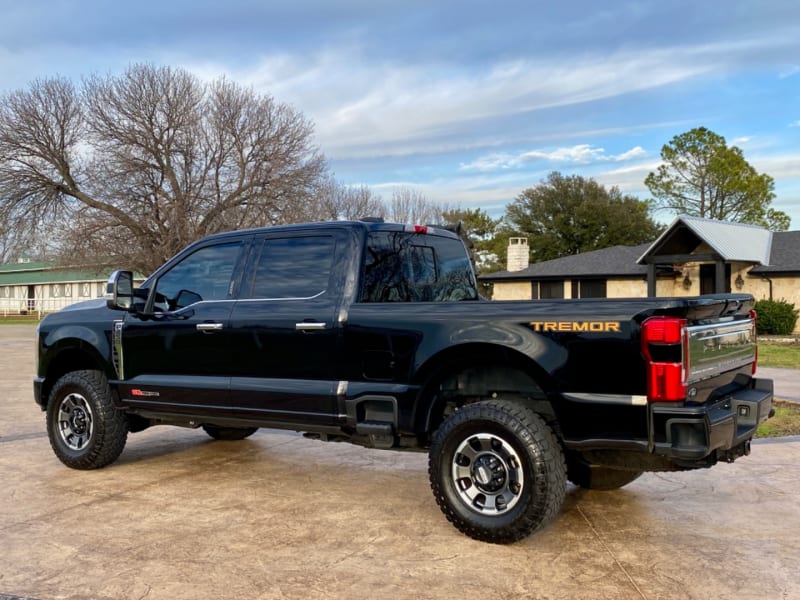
(547, 290)
(57, 290)
(589, 288)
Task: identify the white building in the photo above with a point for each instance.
(42, 287)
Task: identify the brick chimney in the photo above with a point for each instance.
(518, 255)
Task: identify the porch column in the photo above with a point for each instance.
(720, 283)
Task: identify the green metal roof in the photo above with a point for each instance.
(26, 266)
(46, 272)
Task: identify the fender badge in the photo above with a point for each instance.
(143, 393)
(577, 326)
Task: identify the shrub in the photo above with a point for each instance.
(776, 317)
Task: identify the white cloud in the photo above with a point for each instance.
(363, 108)
(785, 166)
(636, 152)
(491, 162)
(581, 154)
(629, 179)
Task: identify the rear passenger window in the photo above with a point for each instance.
(297, 267)
(423, 265)
(404, 267)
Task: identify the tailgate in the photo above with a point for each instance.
(712, 349)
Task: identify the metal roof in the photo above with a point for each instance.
(26, 266)
(30, 273)
(731, 241)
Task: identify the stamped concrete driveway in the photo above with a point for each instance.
(787, 382)
(279, 516)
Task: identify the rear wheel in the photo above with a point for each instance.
(229, 433)
(497, 471)
(86, 431)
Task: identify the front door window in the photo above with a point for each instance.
(205, 275)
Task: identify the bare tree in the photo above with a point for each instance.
(10, 247)
(133, 167)
(16, 242)
(335, 201)
(410, 206)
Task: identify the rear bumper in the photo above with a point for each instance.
(700, 435)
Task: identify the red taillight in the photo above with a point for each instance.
(662, 347)
(423, 229)
(754, 316)
(663, 330)
(665, 382)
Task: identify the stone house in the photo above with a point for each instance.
(692, 257)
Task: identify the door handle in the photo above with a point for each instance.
(209, 327)
(310, 326)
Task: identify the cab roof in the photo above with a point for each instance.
(367, 224)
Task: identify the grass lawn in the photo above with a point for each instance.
(772, 354)
(787, 415)
(19, 321)
(785, 422)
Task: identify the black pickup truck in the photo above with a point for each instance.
(374, 333)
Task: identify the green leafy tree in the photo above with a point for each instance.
(564, 216)
(484, 233)
(476, 222)
(704, 177)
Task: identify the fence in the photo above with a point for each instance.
(37, 307)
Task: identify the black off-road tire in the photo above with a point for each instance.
(86, 431)
(229, 433)
(598, 478)
(497, 471)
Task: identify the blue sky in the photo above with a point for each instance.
(467, 102)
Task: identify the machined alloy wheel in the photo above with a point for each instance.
(497, 470)
(86, 430)
(75, 421)
(488, 474)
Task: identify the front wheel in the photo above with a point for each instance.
(497, 471)
(86, 431)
